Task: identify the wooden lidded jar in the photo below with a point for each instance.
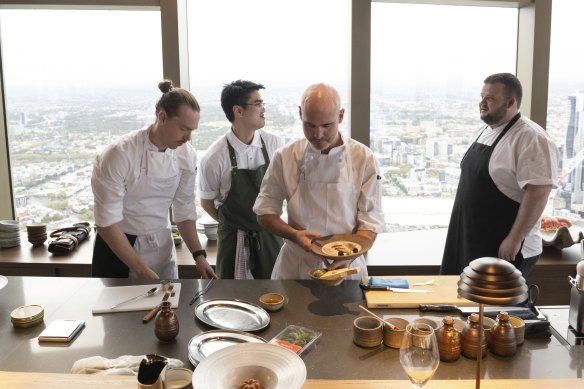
(503, 341)
(166, 326)
(470, 338)
(449, 341)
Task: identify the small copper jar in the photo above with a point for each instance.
(503, 341)
(166, 326)
(449, 341)
(470, 338)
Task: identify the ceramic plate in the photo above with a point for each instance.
(360, 241)
(273, 366)
(207, 343)
(232, 314)
(3, 281)
(562, 237)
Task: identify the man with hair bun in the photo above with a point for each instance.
(135, 181)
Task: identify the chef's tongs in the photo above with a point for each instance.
(149, 293)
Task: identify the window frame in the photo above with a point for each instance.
(533, 45)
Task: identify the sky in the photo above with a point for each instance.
(278, 42)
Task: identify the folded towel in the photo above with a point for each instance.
(390, 282)
(537, 329)
(124, 365)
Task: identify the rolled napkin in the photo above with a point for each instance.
(123, 365)
(388, 282)
(537, 329)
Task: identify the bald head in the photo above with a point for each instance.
(321, 114)
(321, 94)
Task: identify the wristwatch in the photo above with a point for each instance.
(199, 252)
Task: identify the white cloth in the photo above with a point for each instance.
(123, 365)
(242, 271)
(215, 165)
(330, 193)
(525, 155)
(134, 185)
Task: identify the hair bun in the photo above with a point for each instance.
(165, 86)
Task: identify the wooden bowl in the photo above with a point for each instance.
(318, 244)
(325, 282)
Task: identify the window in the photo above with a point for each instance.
(72, 87)
(565, 120)
(286, 46)
(428, 63)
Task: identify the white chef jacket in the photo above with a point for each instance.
(215, 166)
(281, 182)
(525, 155)
(130, 163)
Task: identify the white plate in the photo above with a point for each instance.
(3, 281)
(207, 343)
(274, 366)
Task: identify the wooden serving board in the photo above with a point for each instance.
(444, 291)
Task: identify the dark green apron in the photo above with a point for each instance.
(236, 214)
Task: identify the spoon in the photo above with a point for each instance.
(429, 282)
(393, 327)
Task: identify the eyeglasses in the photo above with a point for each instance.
(259, 104)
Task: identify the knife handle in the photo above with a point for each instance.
(150, 314)
(437, 308)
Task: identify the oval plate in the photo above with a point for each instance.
(207, 343)
(318, 244)
(232, 314)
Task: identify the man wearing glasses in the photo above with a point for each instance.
(231, 174)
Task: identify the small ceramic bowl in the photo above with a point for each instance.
(325, 282)
(431, 322)
(519, 325)
(177, 378)
(27, 316)
(367, 331)
(392, 337)
(272, 301)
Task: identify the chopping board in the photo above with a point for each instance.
(113, 295)
(444, 291)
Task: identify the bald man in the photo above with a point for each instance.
(331, 184)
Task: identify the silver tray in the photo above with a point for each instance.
(232, 314)
(205, 344)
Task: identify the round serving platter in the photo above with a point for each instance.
(207, 343)
(232, 314)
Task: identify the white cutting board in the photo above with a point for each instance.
(114, 295)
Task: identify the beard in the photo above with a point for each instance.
(494, 117)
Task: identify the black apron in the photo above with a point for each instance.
(236, 213)
(106, 264)
(482, 216)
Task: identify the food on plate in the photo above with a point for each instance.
(251, 384)
(318, 273)
(552, 224)
(341, 248)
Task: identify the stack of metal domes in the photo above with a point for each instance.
(27, 316)
(492, 281)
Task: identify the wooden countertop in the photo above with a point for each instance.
(16, 380)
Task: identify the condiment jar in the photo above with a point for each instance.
(503, 341)
(166, 326)
(470, 338)
(449, 341)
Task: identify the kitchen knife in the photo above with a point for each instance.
(488, 310)
(154, 310)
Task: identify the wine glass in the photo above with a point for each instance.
(418, 353)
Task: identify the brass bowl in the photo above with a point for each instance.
(272, 301)
(27, 316)
(320, 281)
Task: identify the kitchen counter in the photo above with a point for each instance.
(67, 381)
(329, 310)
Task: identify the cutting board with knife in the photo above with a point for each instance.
(111, 296)
(444, 290)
